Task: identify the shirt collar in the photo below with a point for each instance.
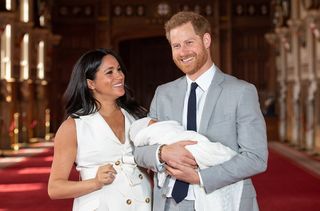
(204, 80)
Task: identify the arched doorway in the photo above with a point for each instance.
(149, 64)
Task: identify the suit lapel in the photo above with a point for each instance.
(178, 99)
(211, 100)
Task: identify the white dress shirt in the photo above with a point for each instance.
(204, 82)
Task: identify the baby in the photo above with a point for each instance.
(147, 131)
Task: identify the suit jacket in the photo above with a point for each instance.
(231, 116)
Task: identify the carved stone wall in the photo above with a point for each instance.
(296, 35)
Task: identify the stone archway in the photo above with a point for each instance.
(149, 64)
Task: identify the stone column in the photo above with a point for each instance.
(310, 101)
(294, 25)
(281, 79)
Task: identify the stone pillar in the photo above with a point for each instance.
(41, 104)
(8, 109)
(1, 99)
(283, 47)
(26, 106)
(282, 108)
(296, 112)
(310, 101)
(294, 78)
(317, 116)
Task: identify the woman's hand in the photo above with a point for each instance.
(105, 175)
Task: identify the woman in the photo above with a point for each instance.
(95, 138)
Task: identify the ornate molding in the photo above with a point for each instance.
(251, 9)
(272, 39)
(281, 12)
(295, 25)
(75, 11)
(313, 22)
(298, 28)
(160, 10)
(311, 4)
(284, 36)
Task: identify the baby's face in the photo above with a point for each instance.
(152, 121)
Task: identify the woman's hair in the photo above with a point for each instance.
(78, 98)
(200, 24)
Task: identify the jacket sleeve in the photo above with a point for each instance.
(252, 141)
(146, 156)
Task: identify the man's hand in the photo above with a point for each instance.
(184, 173)
(177, 153)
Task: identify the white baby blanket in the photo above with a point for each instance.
(206, 153)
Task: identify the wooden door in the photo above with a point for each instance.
(149, 64)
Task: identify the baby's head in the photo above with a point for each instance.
(140, 124)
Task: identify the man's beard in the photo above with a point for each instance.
(190, 69)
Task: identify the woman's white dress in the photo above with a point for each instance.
(98, 145)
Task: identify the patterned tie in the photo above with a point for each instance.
(180, 188)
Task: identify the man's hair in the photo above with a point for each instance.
(200, 24)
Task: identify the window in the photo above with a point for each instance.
(40, 66)
(6, 53)
(24, 63)
(24, 10)
(42, 20)
(8, 5)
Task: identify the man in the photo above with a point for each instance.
(219, 106)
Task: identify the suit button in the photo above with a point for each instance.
(140, 176)
(129, 201)
(117, 162)
(147, 200)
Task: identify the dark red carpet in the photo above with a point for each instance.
(23, 186)
(284, 187)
